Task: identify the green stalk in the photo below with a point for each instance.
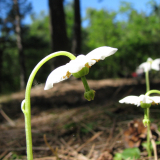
(26, 107)
(148, 126)
(85, 83)
(148, 134)
(148, 93)
(147, 81)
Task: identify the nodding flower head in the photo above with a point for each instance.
(78, 67)
(143, 100)
(150, 64)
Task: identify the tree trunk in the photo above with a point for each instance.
(76, 43)
(1, 55)
(59, 40)
(19, 45)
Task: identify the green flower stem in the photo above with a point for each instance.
(26, 107)
(148, 134)
(148, 129)
(147, 81)
(148, 126)
(152, 91)
(146, 113)
(85, 83)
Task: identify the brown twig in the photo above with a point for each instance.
(110, 134)
(90, 140)
(68, 146)
(6, 117)
(154, 146)
(8, 156)
(48, 145)
(90, 152)
(3, 154)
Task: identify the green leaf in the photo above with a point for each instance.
(118, 156)
(158, 142)
(132, 153)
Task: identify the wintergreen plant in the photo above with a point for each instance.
(146, 67)
(145, 101)
(78, 67)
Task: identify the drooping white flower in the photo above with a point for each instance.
(137, 100)
(74, 66)
(150, 64)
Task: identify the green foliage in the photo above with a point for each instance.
(118, 156)
(144, 144)
(129, 153)
(136, 36)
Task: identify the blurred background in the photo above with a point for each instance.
(30, 30)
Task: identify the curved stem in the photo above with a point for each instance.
(152, 91)
(26, 107)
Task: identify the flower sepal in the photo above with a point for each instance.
(145, 105)
(89, 95)
(84, 71)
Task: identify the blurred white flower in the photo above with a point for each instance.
(137, 100)
(147, 66)
(64, 72)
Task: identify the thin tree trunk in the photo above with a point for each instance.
(76, 43)
(19, 45)
(59, 40)
(1, 54)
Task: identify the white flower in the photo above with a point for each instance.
(137, 100)
(150, 64)
(156, 64)
(74, 66)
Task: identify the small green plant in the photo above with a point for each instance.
(128, 154)
(78, 67)
(145, 101)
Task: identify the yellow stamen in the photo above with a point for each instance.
(97, 60)
(67, 75)
(87, 65)
(153, 103)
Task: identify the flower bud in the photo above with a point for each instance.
(146, 122)
(89, 95)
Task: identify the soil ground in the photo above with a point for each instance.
(65, 126)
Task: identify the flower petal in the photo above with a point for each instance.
(156, 64)
(80, 62)
(145, 99)
(101, 53)
(146, 66)
(156, 99)
(59, 74)
(139, 71)
(141, 99)
(130, 100)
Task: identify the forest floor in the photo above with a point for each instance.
(67, 127)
